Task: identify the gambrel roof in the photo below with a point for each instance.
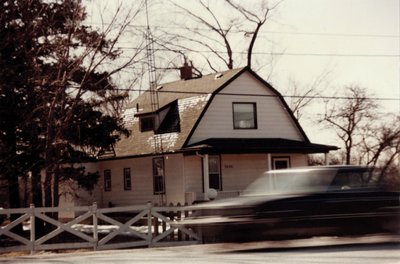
(183, 103)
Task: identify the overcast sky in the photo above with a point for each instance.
(353, 42)
(356, 41)
(359, 40)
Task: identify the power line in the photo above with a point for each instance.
(277, 53)
(268, 95)
(334, 34)
(360, 35)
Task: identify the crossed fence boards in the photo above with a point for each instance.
(161, 228)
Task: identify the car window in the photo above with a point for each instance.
(291, 181)
(350, 179)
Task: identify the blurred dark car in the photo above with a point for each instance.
(302, 202)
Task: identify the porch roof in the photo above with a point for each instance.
(259, 145)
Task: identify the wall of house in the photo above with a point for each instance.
(193, 173)
(296, 160)
(174, 179)
(183, 179)
(141, 182)
(237, 170)
(273, 120)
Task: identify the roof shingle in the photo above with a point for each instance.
(191, 97)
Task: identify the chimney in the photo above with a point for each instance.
(186, 71)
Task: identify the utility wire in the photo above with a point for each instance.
(272, 32)
(277, 53)
(267, 95)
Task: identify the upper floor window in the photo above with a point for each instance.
(244, 116)
(146, 123)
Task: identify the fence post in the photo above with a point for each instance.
(185, 215)
(33, 233)
(95, 226)
(149, 224)
(179, 218)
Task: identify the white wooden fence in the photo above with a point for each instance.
(97, 228)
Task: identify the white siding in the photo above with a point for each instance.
(239, 170)
(272, 118)
(296, 160)
(142, 181)
(193, 174)
(174, 179)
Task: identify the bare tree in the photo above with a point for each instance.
(299, 97)
(348, 118)
(212, 37)
(369, 137)
(380, 145)
(257, 19)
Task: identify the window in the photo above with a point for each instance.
(158, 176)
(350, 179)
(214, 172)
(244, 116)
(170, 121)
(107, 180)
(146, 123)
(280, 163)
(127, 179)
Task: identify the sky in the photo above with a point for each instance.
(365, 30)
(348, 42)
(368, 31)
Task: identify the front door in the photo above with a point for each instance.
(214, 172)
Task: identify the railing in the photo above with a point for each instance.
(97, 228)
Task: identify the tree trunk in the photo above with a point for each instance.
(49, 161)
(12, 176)
(14, 200)
(37, 199)
(251, 46)
(56, 198)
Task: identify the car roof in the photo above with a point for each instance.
(325, 167)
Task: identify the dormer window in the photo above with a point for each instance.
(146, 123)
(244, 115)
(164, 120)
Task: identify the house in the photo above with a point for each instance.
(220, 131)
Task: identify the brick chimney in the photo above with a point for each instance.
(186, 71)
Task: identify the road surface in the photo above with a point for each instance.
(370, 250)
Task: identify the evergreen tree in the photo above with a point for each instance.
(52, 88)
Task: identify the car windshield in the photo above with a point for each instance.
(291, 181)
(306, 180)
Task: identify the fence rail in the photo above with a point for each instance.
(97, 228)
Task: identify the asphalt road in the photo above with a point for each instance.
(365, 250)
